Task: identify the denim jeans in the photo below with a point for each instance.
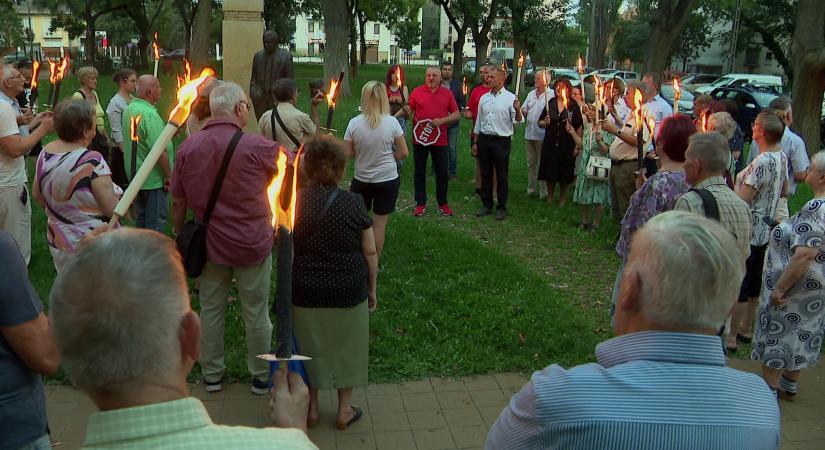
(152, 209)
(452, 138)
(41, 443)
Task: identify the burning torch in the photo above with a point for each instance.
(186, 96)
(332, 97)
(31, 98)
(156, 52)
(518, 73)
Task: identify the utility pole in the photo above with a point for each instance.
(735, 35)
(591, 36)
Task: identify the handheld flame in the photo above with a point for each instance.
(638, 98)
(52, 72)
(282, 194)
(62, 66)
(564, 97)
(703, 123)
(35, 72)
(677, 94)
(399, 80)
(580, 66)
(651, 126)
(521, 60)
(187, 94)
(464, 87)
(134, 121)
(333, 89)
(155, 47)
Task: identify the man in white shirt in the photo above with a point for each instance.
(498, 110)
(793, 147)
(534, 104)
(657, 107)
(15, 143)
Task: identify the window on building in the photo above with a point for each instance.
(752, 56)
(311, 27)
(769, 56)
(377, 28)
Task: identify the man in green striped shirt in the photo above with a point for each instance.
(129, 342)
(152, 202)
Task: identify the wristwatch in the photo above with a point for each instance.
(619, 132)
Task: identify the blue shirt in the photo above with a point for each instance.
(649, 390)
(22, 400)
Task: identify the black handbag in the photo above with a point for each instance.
(191, 239)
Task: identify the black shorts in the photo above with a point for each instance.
(378, 197)
(752, 284)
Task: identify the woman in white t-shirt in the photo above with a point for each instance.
(369, 139)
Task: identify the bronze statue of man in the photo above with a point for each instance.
(268, 66)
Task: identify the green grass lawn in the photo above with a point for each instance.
(456, 295)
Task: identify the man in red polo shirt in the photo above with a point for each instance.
(472, 112)
(434, 108)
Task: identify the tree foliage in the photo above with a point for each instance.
(408, 32)
(11, 29)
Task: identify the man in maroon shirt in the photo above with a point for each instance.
(239, 242)
(472, 111)
(434, 108)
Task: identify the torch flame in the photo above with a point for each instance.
(521, 59)
(52, 72)
(651, 125)
(35, 72)
(60, 70)
(282, 216)
(676, 87)
(638, 98)
(155, 47)
(187, 93)
(564, 97)
(398, 80)
(134, 121)
(703, 123)
(580, 65)
(333, 85)
(464, 87)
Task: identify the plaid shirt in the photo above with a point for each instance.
(180, 425)
(734, 213)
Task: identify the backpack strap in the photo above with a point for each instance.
(709, 204)
(216, 189)
(276, 116)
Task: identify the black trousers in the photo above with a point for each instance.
(116, 164)
(440, 157)
(494, 155)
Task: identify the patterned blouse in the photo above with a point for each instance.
(65, 181)
(657, 195)
(767, 173)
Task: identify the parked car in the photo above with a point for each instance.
(623, 74)
(695, 80)
(685, 99)
(14, 57)
(749, 101)
(740, 79)
(178, 54)
(560, 72)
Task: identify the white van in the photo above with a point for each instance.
(739, 79)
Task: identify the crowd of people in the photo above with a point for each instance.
(710, 255)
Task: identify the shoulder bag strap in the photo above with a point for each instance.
(709, 204)
(216, 190)
(81, 93)
(283, 127)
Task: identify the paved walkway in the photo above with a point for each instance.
(433, 413)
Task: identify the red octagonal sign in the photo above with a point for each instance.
(425, 133)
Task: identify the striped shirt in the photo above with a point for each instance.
(649, 390)
(181, 425)
(734, 213)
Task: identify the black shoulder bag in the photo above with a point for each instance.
(276, 116)
(709, 204)
(191, 238)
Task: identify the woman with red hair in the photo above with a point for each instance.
(659, 192)
(397, 100)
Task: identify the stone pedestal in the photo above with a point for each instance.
(243, 30)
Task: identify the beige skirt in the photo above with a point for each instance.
(337, 340)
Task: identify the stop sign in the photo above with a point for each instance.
(425, 133)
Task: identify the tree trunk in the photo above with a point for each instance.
(335, 49)
(458, 50)
(353, 41)
(187, 24)
(599, 34)
(666, 23)
(519, 46)
(90, 47)
(362, 35)
(808, 49)
(201, 30)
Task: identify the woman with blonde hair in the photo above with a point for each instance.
(88, 83)
(370, 139)
(723, 123)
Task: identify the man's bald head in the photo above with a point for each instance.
(148, 88)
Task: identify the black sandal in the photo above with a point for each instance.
(356, 415)
(743, 338)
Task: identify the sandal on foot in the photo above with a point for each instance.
(356, 414)
(743, 338)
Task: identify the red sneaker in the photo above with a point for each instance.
(419, 210)
(445, 209)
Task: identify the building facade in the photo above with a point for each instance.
(41, 42)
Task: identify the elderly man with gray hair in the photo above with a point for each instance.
(240, 238)
(129, 342)
(662, 381)
(706, 159)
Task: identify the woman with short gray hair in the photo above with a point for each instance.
(72, 182)
(723, 123)
(88, 83)
(791, 321)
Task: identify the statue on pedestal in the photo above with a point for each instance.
(268, 66)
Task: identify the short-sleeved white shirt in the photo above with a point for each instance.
(374, 159)
(12, 169)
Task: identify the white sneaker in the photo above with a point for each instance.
(213, 387)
